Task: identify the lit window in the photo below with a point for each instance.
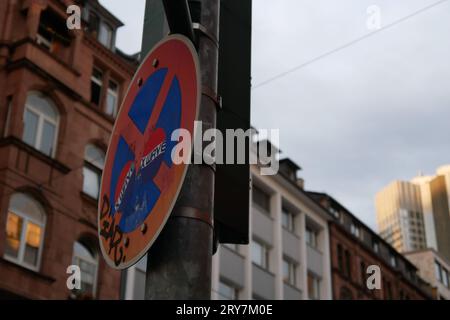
(24, 231)
(112, 99)
(313, 287)
(40, 123)
(105, 35)
(86, 258)
(289, 269)
(96, 86)
(287, 220)
(227, 291)
(94, 161)
(311, 237)
(260, 254)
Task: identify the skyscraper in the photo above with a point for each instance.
(414, 215)
(400, 216)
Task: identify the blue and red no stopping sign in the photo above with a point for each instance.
(140, 183)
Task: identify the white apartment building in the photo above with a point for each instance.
(288, 256)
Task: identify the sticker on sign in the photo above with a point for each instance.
(140, 182)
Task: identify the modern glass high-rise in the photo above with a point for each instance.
(414, 215)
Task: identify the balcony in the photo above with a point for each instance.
(262, 226)
(291, 292)
(232, 266)
(314, 260)
(263, 283)
(291, 245)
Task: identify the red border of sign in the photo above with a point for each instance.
(143, 72)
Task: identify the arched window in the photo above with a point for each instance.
(94, 161)
(85, 256)
(41, 120)
(25, 231)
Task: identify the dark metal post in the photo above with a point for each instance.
(179, 263)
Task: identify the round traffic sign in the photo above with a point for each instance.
(141, 182)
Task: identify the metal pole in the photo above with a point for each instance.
(179, 263)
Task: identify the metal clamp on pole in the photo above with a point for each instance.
(192, 213)
(211, 94)
(202, 30)
(179, 18)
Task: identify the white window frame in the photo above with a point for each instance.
(315, 235)
(98, 82)
(19, 260)
(94, 167)
(115, 94)
(292, 270)
(316, 282)
(103, 26)
(290, 220)
(40, 126)
(229, 286)
(95, 262)
(42, 41)
(264, 254)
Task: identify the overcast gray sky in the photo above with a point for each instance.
(356, 119)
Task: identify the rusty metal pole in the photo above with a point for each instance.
(179, 263)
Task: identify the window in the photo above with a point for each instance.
(40, 124)
(24, 231)
(445, 280)
(311, 237)
(94, 161)
(52, 33)
(363, 273)
(261, 199)
(96, 86)
(334, 212)
(313, 287)
(354, 229)
(287, 220)
(392, 260)
(340, 256)
(260, 254)
(112, 99)
(289, 270)
(105, 35)
(376, 246)
(86, 258)
(227, 291)
(438, 271)
(348, 264)
(388, 291)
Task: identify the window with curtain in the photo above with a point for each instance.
(25, 227)
(94, 161)
(41, 121)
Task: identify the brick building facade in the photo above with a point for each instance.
(354, 247)
(60, 91)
